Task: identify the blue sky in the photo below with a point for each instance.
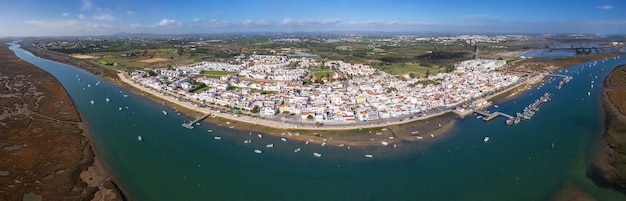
(103, 17)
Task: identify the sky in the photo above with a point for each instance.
(105, 17)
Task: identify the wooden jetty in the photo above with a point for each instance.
(490, 116)
(190, 124)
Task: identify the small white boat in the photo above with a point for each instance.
(120, 108)
(107, 99)
(210, 131)
(247, 141)
(228, 122)
(258, 151)
(88, 85)
(217, 137)
(384, 143)
(588, 93)
(260, 136)
(341, 145)
(139, 138)
(317, 154)
(164, 112)
(307, 142)
(125, 95)
(283, 139)
(369, 155)
(486, 139)
(269, 145)
(296, 150)
(323, 144)
(419, 137)
(92, 102)
(231, 127)
(431, 135)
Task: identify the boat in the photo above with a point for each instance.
(260, 136)
(509, 121)
(296, 150)
(283, 139)
(384, 143)
(486, 139)
(431, 135)
(341, 145)
(217, 137)
(125, 95)
(588, 93)
(369, 155)
(120, 108)
(139, 138)
(164, 112)
(419, 137)
(258, 151)
(92, 102)
(247, 141)
(107, 99)
(307, 142)
(210, 131)
(269, 145)
(317, 154)
(323, 144)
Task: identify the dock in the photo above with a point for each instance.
(490, 116)
(190, 124)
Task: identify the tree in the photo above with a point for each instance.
(427, 73)
(310, 117)
(318, 124)
(412, 75)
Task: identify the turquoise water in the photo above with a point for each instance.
(175, 163)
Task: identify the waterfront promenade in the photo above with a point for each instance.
(290, 124)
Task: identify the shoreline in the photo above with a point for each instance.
(275, 128)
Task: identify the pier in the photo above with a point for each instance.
(490, 116)
(190, 124)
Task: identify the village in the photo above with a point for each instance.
(273, 85)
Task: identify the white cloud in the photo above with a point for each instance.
(81, 16)
(166, 22)
(86, 5)
(215, 14)
(65, 14)
(301, 22)
(130, 12)
(196, 19)
(605, 7)
(105, 17)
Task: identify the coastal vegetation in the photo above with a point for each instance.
(614, 165)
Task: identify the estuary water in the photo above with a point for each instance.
(175, 163)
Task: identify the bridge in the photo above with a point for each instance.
(489, 116)
(190, 124)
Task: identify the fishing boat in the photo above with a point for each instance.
(323, 144)
(283, 139)
(296, 150)
(259, 135)
(107, 99)
(269, 145)
(120, 108)
(217, 137)
(384, 143)
(258, 151)
(92, 102)
(317, 154)
(486, 139)
(164, 112)
(210, 131)
(139, 138)
(247, 141)
(369, 155)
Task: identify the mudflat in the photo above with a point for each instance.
(43, 147)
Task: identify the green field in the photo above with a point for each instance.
(399, 69)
